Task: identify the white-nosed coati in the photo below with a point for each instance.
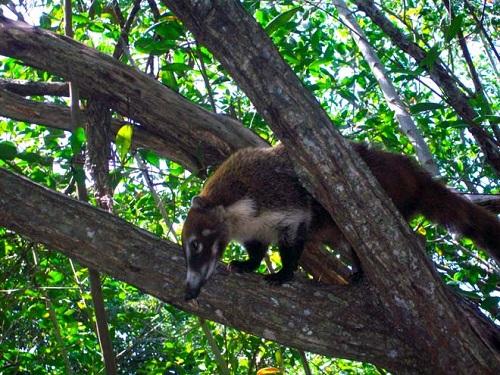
(256, 199)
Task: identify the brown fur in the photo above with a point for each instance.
(268, 176)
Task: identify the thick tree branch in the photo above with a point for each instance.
(56, 116)
(129, 92)
(322, 265)
(343, 321)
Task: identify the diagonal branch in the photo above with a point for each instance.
(395, 103)
(341, 321)
(456, 98)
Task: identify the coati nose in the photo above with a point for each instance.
(191, 294)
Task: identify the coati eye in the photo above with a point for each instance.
(195, 246)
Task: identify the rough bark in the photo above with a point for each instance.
(57, 116)
(319, 263)
(395, 263)
(131, 93)
(98, 155)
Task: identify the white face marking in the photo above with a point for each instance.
(192, 277)
(207, 232)
(244, 224)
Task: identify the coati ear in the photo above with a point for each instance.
(200, 203)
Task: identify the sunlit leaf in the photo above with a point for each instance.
(430, 59)
(166, 29)
(124, 140)
(269, 370)
(77, 139)
(454, 28)
(280, 20)
(151, 157)
(148, 44)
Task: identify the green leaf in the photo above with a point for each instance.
(34, 158)
(97, 27)
(454, 28)
(150, 157)
(280, 20)
(490, 303)
(176, 67)
(169, 80)
(429, 60)
(8, 150)
(424, 107)
(77, 139)
(157, 47)
(55, 277)
(348, 96)
(166, 29)
(124, 140)
(318, 63)
(490, 118)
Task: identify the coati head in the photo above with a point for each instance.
(204, 238)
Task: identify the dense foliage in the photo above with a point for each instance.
(46, 320)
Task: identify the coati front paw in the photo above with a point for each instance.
(278, 278)
(241, 266)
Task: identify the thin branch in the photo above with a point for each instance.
(215, 348)
(483, 30)
(406, 123)
(440, 75)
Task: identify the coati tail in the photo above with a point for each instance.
(452, 211)
(414, 191)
